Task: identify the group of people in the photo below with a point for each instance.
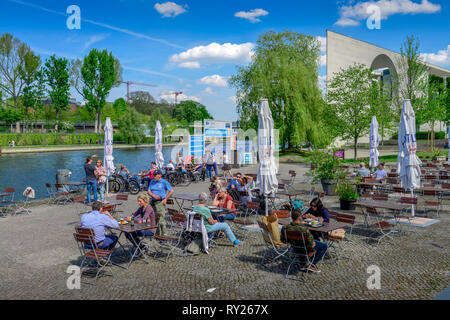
(379, 174)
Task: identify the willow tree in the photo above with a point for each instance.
(284, 70)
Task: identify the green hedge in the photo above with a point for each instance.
(48, 139)
(439, 135)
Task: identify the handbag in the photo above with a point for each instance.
(274, 229)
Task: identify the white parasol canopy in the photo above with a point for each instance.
(159, 157)
(408, 164)
(267, 171)
(108, 160)
(374, 142)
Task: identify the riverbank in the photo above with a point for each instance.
(39, 149)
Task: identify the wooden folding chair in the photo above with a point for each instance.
(97, 259)
(299, 255)
(61, 197)
(272, 252)
(381, 227)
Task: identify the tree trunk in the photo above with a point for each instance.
(356, 148)
(428, 141)
(382, 136)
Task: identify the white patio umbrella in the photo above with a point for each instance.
(374, 142)
(267, 171)
(159, 157)
(108, 159)
(408, 164)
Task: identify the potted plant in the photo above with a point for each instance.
(437, 155)
(326, 173)
(347, 193)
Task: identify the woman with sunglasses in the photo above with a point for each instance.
(101, 179)
(317, 212)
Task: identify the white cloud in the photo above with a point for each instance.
(214, 80)
(169, 9)
(323, 60)
(209, 91)
(94, 39)
(233, 99)
(441, 58)
(323, 43)
(190, 65)
(322, 82)
(252, 15)
(216, 53)
(170, 97)
(351, 15)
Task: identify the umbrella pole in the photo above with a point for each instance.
(267, 207)
(412, 206)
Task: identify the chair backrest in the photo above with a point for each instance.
(380, 197)
(58, 186)
(398, 189)
(346, 218)
(446, 186)
(407, 200)
(367, 195)
(10, 190)
(170, 201)
(48, 185)
(428, 185)
(123, 197)
(392, 175)
(177, 218)
(84, 238)
(253, 205)
(280, 214)
(108, 208)
(391, 180)
(333, 214)
(87, 231)
(172, 212)
(430, 192)
(265, 233)
(433, 203)
(78, 199)
(370, 210)
(430, 177)
(296, 239)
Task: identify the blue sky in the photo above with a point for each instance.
(194, 46)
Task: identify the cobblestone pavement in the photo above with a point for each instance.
(37, 249)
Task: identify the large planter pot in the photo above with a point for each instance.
(348, 204)
(328, 187)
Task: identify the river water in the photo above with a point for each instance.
(35, 169)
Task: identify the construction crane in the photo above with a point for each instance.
(176, 96)
(128, 83)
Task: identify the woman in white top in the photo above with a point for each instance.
(226, 165)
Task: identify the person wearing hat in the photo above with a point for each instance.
(160, 191)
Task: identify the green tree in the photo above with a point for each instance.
(31, 76)
(94, 79)
(120, 106)
(411, 80)
(434, 109)
(130, 127)
(190, 111)
(348, 113)
(57, 73)
(10, 115)
(13, 54)
(284, 70)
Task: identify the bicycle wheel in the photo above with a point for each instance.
(172, 180)
(134, 187)
(113, 186)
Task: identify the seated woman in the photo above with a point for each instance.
(244, 186)
(224, 201)
(380, 174)
(144, 212)
(317, 212)
(210, 223)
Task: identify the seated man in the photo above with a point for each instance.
(363, 172)
(98, 220)
(170, 166)
(212, 225)
(224, 201)
(311, 245)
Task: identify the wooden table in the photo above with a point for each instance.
(73, 184)
(395, 207)
(290, 194)
(127, 228)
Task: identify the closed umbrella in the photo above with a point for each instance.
(267, 171)
(108, 152)
(159, 157)
(408, 164)
(374, 142)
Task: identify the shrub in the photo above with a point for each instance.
(423, 135)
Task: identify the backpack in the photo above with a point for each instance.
(195, 246)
